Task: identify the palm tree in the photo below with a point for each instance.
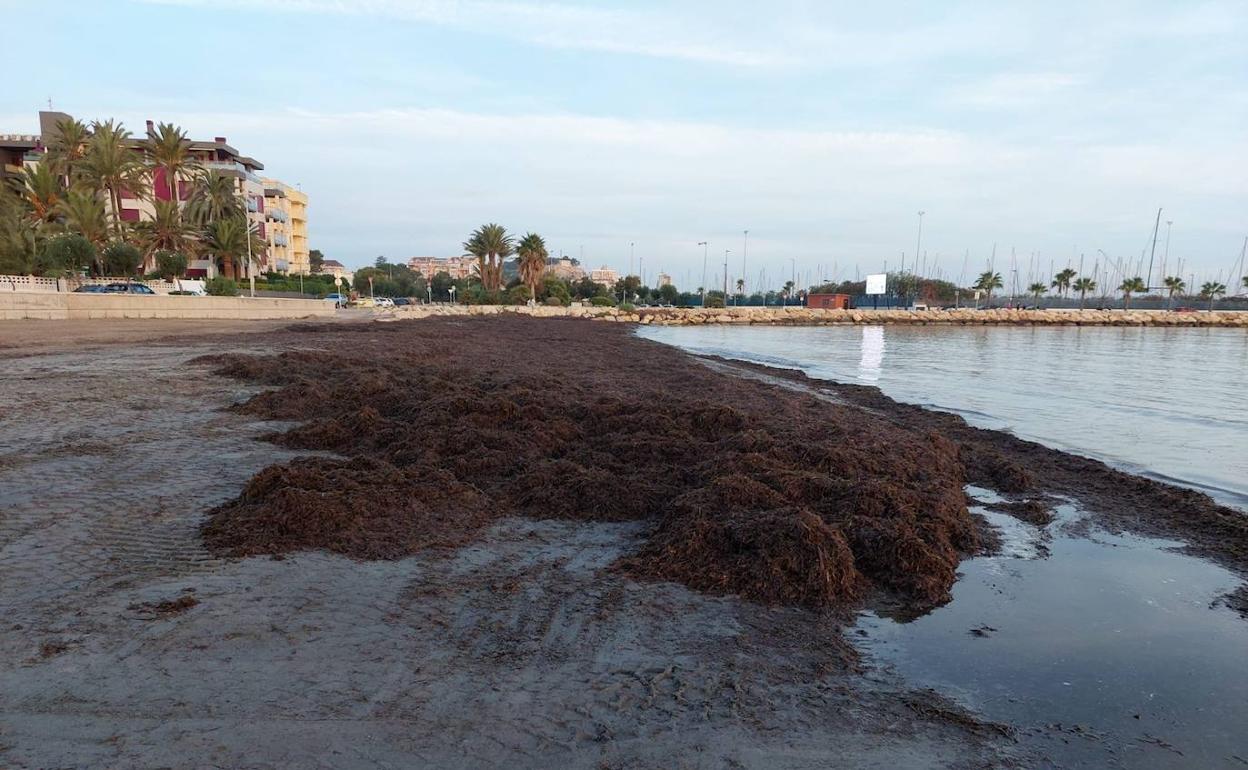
(490, 244)
(1245, 281)
(213, 197)
(167, 232)
(1174, 284)
(1129, 286)
(987, 282)
(83, 212)
(42, 191)
(788, 291)
(533, 256)
(740, 290)
(1211, 290)
(1083, 286)
(1062, 280)
(67, 148)
(112, 166)
(1036, 290)
(227, 239)
(171, 152)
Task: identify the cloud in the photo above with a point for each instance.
(555, 25)
(1015, 89)
(406, 181)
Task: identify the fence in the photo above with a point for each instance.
(35, 283)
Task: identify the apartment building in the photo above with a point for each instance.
(215, 155)
(286, 225)
(16, 152)
(456, 267)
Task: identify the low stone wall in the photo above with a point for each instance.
(813, 317)
(65, 306)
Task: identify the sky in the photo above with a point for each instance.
(1051, 131)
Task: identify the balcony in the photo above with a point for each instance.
(252, 206)
(277, 215)
(279, 240)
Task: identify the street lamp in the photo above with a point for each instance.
(706, 247)
(726, 253)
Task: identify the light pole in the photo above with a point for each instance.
(706, 247)
(726, 253)
(631, 244)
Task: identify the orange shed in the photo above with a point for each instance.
(828, 301)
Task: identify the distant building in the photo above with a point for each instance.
(664, 280)
(828, 301)
(16, 151)
(605, 276)
(336, 269)
(565, 268)
(456, 267)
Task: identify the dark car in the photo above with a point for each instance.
(402, 301)
(92, 288)
(127, 288)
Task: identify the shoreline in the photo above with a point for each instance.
(800, 316)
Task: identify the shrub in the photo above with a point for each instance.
(518, 295)
(65, 255)
(713, 302)
(121, 258)
(601, 301)
(221, 287)
(627, 307)
(555, 300)
(170, 264)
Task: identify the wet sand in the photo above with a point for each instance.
(522, 648)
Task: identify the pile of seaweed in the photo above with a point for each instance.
(441, 426)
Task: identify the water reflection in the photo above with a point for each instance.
(872, 360)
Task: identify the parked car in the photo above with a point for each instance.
(91, 288)
(339, 300)
(399, 301)
(127, 288)
(365, 302)
(383, 302)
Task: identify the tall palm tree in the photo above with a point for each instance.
(1128, 287)
(213, 196)
(490, 244)
(1036, 290)
(1174, 284)
(1083, 286)
(1062, 280)
(167, 232)
(227, 240)
(788, 291)
(112, 166)
(533, 256)
(42, 191)
(988, 281)
(66, 149)
(171, 152)
(1210, 291)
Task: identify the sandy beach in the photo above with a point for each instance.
(352, 545)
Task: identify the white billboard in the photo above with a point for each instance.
(877, 283)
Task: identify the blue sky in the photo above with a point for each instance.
(1050, 129)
